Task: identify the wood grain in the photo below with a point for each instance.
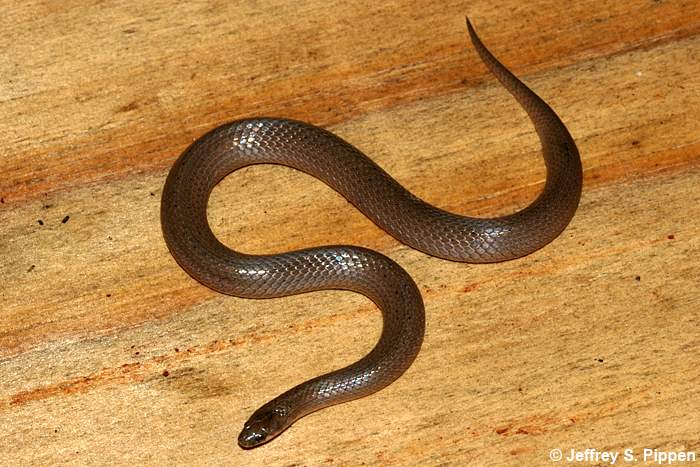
(110, 354)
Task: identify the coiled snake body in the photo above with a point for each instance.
(368, 187)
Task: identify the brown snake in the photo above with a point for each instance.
(370, 189)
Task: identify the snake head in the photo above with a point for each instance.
(265, 424)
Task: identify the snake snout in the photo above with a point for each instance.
(249, 438)
(264, 425)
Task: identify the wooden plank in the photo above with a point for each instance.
(109, 353)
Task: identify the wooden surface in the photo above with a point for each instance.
(111, 354)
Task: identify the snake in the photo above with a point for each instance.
(412, 221)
